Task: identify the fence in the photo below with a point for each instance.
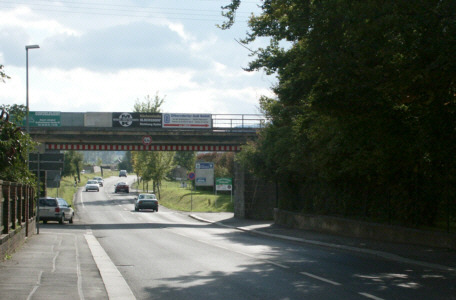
(17, 214)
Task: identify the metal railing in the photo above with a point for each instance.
(17, 206)
(245, 122)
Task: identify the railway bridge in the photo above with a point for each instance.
(123, 131)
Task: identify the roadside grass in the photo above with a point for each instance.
(67, 188)
(173, 196)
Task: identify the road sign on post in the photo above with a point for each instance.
(47, 161)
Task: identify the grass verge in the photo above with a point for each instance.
(173, 196)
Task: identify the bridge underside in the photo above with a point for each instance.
(120, 139)
(117, 147)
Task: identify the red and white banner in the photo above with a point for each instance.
(109, 147)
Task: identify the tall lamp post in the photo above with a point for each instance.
(26, 83)
(28, 132)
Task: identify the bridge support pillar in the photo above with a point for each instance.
(254, 198)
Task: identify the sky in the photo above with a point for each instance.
(104, 55)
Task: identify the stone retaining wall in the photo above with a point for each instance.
(351, 228)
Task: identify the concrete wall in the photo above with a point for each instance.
(254, 198)
(357, 229)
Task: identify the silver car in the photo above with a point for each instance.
(92, 185)
(146, 201)
(55, 209)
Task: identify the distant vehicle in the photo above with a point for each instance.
(122, 187)
(92, 185)
(123, 173)
(55, 209)
(146, 201)
(99, 179)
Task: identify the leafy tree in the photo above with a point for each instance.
(364, 120)
(3, 75)
(149, 105)
(185, 159)
(223, 162)
(72, 164)
(153, 166)
(14, 146)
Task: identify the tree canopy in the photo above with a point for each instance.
(364, 119)
(14, 146)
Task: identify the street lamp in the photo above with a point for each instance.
(28, 132)
(26, 82)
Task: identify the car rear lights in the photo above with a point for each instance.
(57, 209)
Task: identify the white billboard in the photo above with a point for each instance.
(204, 174)
(187, 120)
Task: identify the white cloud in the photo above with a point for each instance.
(101, 63)
(38, 27)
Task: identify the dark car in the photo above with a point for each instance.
(122, 187)
(55, 209)
(123, 173)
(146, 201)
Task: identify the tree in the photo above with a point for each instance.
(364, 120)
(185, 159)
(72, 164)
(153, 166)
(3, 75)
(15, 146)
(149, 105)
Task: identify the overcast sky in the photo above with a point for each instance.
(101, 56)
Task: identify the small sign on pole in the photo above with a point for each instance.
(224, 184)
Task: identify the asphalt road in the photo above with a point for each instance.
(168, 255)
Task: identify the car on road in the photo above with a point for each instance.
(146, 201)
(55, 209)
(122, 187)
(92, 185)
(99, 179)
(123, 173)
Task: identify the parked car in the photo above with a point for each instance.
(99, 179)
(146, 201)
(122, 187)
(92, 185)
(55, 209)
(123, 173)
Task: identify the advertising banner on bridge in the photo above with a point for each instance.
(187, 121)
(135, 119)
(43, 119)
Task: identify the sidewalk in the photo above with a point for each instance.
(435, 258)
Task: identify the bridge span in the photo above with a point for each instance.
(115, 131)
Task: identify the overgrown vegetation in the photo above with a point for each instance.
(364, 120)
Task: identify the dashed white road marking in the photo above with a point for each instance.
(320, 278)
(370, 296)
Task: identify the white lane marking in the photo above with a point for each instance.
(320, 278)
(115, 284)
(370, 296)
(78, 270)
